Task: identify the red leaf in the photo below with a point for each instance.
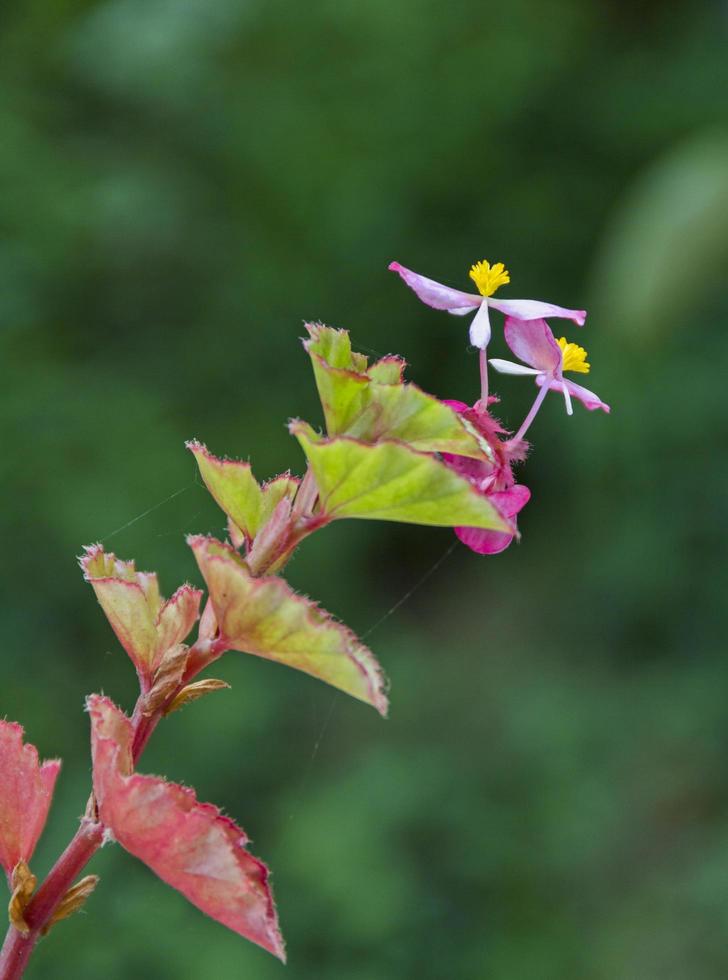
(190, 845)
(26, 791)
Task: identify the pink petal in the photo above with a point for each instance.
(481, 473)
(435, 294)
(533, 309)
(533, 343)
(586, 397)
(26, 790)
(484, 542)
(509, 502)
(190, 845)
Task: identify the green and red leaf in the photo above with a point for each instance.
(146, 625)
(374, 404)
(392, 482)
(248, 505)
(265, 617)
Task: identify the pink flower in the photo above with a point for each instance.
(494, 479)
(26, 790)
(545, 359)
(488, 278)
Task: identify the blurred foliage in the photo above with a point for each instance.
(184, 182)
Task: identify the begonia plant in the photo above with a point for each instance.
(390, 451)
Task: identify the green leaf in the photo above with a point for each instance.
(263, 616)
(237, 492)
(340, 384)
(375, 405)
(232, 484)
(391, 482)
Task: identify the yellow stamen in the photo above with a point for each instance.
(574, 357)
(489, 277)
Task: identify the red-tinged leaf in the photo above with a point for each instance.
(190, 845)
(176, 618)
(26, 791)
(375, 404)
(146, 626)
(263, 616)
(233, 486)
(248, 505)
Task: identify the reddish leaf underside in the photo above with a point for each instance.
(190, 845)
(26, 791)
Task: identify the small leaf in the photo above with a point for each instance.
(375, 405)
(145, 625)
(232, 484)
(194, 691)
(190, 845)
(272, 547)
(391, 482)
(341, 387)
(388, 371)
(74, 899)
(236, 491)
(26, 791)
(167, 678)
(23, 883)
(263, 616)
(283, 487)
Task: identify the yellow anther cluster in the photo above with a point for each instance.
(489, 277)
(574, 357)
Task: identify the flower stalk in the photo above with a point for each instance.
(532, 413)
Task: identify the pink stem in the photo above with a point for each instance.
(18, 947)
(538, 401)
(484, 378)
(15, 953)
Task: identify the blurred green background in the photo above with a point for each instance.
(183, 183)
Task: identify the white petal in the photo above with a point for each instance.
(567, 399)
(510, 367)
(480, 327)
